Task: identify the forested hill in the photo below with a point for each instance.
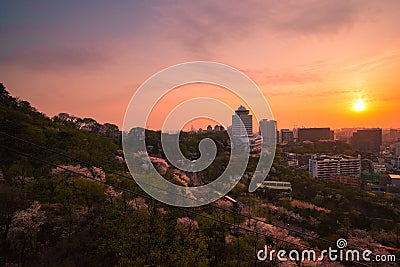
(52, 213)
(60, 205)
(82, 138)
(42, 207)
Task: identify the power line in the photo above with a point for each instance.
(147, 197)
(151, 199)
(185, 196)
(141, 195)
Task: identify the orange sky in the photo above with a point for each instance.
(312, 59)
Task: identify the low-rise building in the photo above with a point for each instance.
(395, 162)
(323, 166)
(351, 180)
(255, 145)
(279, 188)
(379, 168)
(395, 180)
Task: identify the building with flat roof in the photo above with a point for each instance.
(314, 134)
(367, 140)
(351, 180)
(255, 145)
(268, 130)
(323, 166)
(379, 168)
(274, 187)
(395, 180)
(287, 136)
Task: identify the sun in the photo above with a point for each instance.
(359, 105)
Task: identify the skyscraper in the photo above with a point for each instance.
(242, 116)
(268, 130)
(367, 140)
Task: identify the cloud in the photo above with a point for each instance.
(55, 58)
(315, 72)
(369, 64)
(283, 77)
(201, 27)
(318, 17)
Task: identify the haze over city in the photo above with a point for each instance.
(319, 63)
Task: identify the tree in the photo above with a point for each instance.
(25, 226)
(12, 199)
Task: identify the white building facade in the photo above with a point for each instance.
(242, 118)
(323, 167)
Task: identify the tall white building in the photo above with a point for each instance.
(268, 129)
(242, 116)
(322, 166)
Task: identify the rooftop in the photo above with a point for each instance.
(336, 157)
(241, 108)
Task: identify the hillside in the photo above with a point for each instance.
(66, 199)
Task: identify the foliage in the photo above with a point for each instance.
(54, 217)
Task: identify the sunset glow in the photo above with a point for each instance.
(359, 105)
(308, 66)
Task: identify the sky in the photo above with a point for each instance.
(312, 59)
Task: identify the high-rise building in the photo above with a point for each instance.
(394, 134)
(287, 136)
(268, 130)
(345, 134)
(367, 140)
(242, 116)
(390, 136)
(313, 134)
(324, 167)
(397, 148)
